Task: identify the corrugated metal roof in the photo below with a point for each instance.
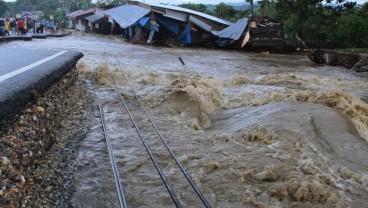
(127, 15)
(189, 11)
(80, 13)
(72, 14)
(234, 31)
(94, 18)
(200, 24)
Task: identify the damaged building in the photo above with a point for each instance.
(77, 19)
(148, 23)
(164, 24)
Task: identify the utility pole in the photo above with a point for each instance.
(251, 6)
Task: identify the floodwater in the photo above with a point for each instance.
(252, 129)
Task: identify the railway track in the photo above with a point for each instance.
(155, 146)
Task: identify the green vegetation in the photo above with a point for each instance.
(49, 8)
(3, 8)
(221, 10)
(111, 2)
(345, 23)
(196, 7)
(339, 21)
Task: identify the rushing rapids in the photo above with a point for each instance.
(253, 130)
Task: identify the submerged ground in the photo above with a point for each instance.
(253, 130)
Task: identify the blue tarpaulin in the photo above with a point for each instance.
(154, 27)
(170, 24)
(185, 37)
(144, 21)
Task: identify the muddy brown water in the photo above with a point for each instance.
(253, 130)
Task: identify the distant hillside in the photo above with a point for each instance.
(240, 5)
(237, 6)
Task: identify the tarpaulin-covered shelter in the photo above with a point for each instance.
(77, 19)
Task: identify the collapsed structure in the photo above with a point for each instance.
(146, 23)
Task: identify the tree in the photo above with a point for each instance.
(352, 26)
(225, 11)
(345, 24)
(251, 6)
(74, 5)
(268, 8)
(111, 2)
(48, 6)
(3, 8)
(296, 14)
(196, 7)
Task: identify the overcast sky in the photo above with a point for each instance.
(204, 1)
(210, 1)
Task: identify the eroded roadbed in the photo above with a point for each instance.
(38, 149)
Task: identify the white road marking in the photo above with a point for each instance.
(26, 68)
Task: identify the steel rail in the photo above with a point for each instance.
(159, 170)
(187, 176)
(115, 171)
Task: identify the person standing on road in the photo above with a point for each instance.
(43, 26)
(12, 26)
(25, 27)
(38, 26)
(28, 22)
(2, 27)
(57, 26)
(52, 26)
(7, 27)
(20, 26)
(32, 26)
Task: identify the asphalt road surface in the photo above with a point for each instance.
(25, 70)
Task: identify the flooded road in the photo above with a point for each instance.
(253, 130)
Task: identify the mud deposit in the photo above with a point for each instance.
(253, 130)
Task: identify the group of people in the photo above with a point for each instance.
(13, 26)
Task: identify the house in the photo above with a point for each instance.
(98, 22)
(146, 23)
(77, 19)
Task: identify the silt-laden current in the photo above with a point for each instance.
(252, 129)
